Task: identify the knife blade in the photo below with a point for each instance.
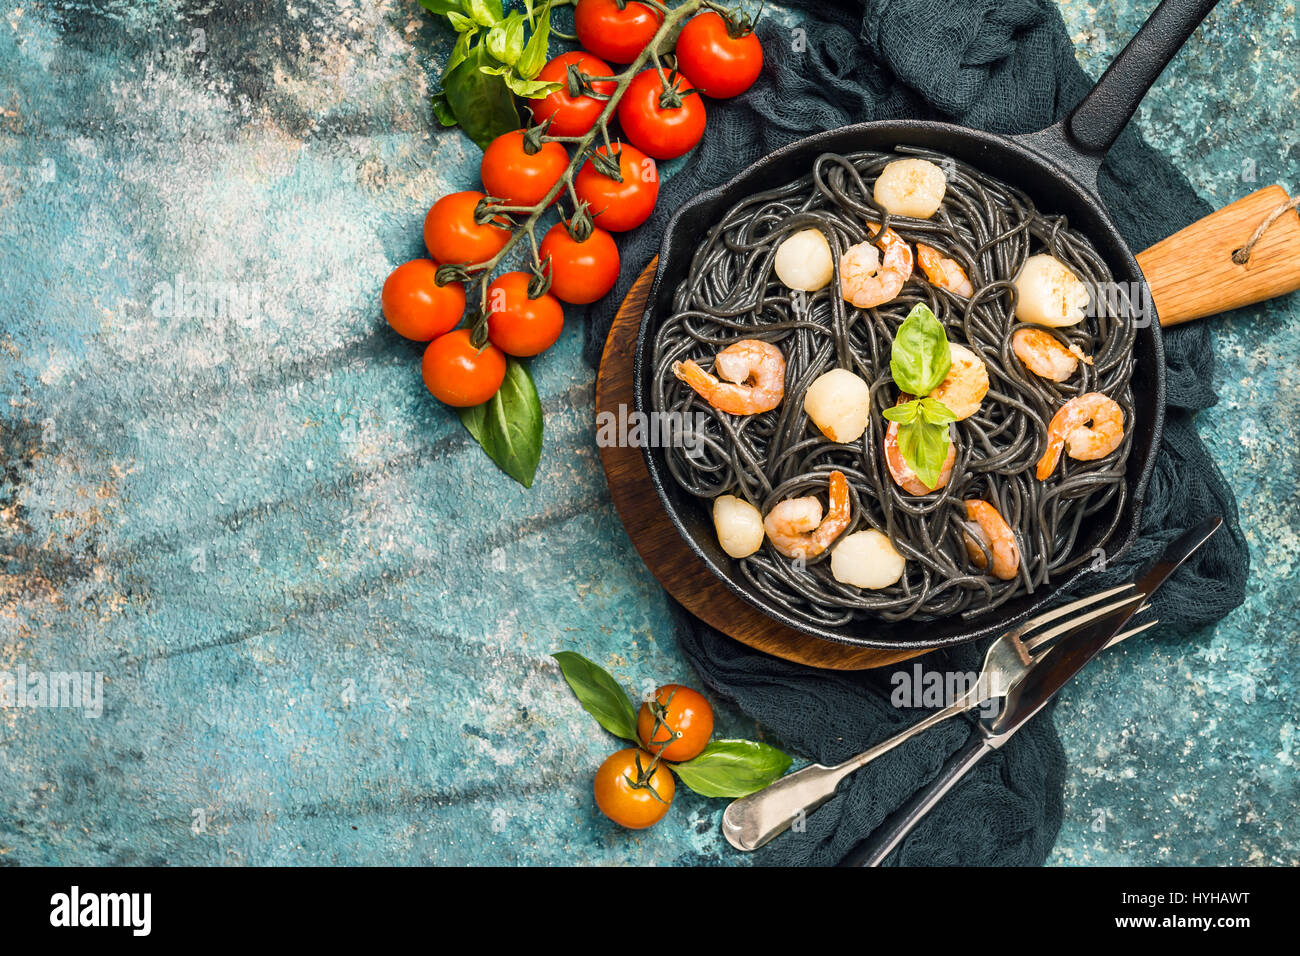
(1047, 676)
(1055, 668)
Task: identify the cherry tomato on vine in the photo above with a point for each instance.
(416, 306)
(630, 796)
(572, 115)
(663, 122)
(617, 35)
(677, 725)
(723, 60)
(511, 173)
(459, 374)
(619, 206)
(452, 234)
(581, 272)
(518, 325)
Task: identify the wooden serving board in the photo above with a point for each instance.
(1215, 285)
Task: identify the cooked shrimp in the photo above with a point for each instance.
(1082, 441)
(965, 385)
(796, 527)
(753, 374)
(1044, 355)
(867, 280)
(986, 530)
(943, 272)
(902, 472)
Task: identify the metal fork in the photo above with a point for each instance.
(752, 821)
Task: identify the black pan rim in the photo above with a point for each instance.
(899, 131)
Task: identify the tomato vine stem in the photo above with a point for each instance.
(672, 20)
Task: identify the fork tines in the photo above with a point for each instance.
(1091, 611)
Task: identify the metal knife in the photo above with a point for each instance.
(1039, 686)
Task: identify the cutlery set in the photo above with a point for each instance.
(1024, 669)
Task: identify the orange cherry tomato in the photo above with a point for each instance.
(459, 374)
(511, 173)
(723, 61)
(664, 132)
(619, 206)
(677, 725)
(617, 35)
(518, 325)
(451, 233)
(572, 115)
(416, 306)
(581, 272)
(629, 796)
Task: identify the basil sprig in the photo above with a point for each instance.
(724, 768)
(497, 57)
(509, 424)
(919, 361)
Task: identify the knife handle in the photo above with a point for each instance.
(873, 850)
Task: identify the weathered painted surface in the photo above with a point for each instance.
(323, 618)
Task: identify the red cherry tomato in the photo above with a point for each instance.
(721, 64)
(661, 131)
(617, 35)
(452, 235)
(581, 272)
(518, 325)
(509, 172)
(459, 374)
(619, 206)
(416, 306)
(572, 115)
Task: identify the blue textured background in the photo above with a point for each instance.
(324, 618)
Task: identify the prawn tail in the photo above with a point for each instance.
(1047, 464)
(694, 376)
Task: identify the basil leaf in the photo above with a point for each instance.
(936, 412)
(599, 694)
(461, 23)
(533, 89)
(732, 768)
(481, 101)
(534, 56)
(441, 7)
(904, 414)
(505, 41)
(485, 13)
(509, 424)
(442, 109)
(925, 448)
(460, 51)
(920, 357)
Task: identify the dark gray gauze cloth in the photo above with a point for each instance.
(1006, 66)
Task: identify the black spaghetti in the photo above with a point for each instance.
(731, 293)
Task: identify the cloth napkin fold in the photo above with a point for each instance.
(1006, 66)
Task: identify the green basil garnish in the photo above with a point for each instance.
(509, 424)
(924, 446)
(732, 768)
(919, 361)
(920, 358)
(599, 694)
(496, 57)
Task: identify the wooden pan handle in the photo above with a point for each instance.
(1192, 274)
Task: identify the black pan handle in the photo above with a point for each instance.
(1081, 140)
(1097, 122)
(873, 850)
